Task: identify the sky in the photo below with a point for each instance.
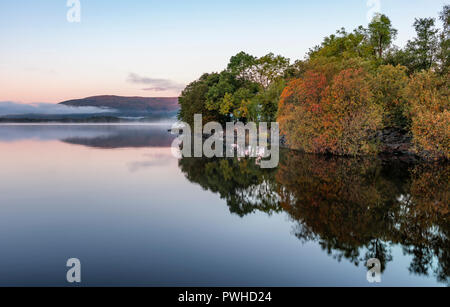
(154, 48)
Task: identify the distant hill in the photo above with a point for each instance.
(152, 105)
(118, 109)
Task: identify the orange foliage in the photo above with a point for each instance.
(336, 115)
(429, 101)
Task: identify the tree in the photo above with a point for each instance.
(268, 100)
(334, 115)
(225, 83)
(424, 48)
(381, 34)
(263, 70)
(193, 100)
(344, 45)
(400, 57)
(444, 52)
(388, 86)
(428, 95)
(246, 108)
(233, 94)
(445, 18)
(242, 65)
(295, 70)
(227, 105)
(270, 68)
(363, 43)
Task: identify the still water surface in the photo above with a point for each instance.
(115, 197)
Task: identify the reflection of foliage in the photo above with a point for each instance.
(349, 205)
(245, 186)
(356, 209)
(425, 222)
(345, 204)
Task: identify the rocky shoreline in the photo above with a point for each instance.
(395, 145)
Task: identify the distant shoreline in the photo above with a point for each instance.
(89, 120)
(88, 124)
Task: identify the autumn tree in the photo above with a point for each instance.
(335, 116)
(388, 86)
(428, 95)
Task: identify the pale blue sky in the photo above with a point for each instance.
(44, 58)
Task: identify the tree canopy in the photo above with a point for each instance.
(344, 93)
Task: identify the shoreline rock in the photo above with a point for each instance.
(396, 145)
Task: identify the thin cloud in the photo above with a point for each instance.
(154, 84)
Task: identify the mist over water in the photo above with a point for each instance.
(14, 108)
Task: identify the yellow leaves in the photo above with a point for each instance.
(428, 97)
(431, 131)
(227, 104)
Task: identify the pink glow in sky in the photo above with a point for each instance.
(167, 44)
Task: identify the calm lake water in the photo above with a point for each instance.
(115, 198)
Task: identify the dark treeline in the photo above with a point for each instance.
(348, 89)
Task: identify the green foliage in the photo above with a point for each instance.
(381, 34)
(270, 68)
(268, 100)
(227, 104)
(295, 70)
(226, 83)
(241, 65)
(350, 86)
(400, 57)
(262, 71)
(388, 87)
(344, 45)
(425, 47)
(248, 90)
(193, 100)
(364, 43)
(444, 44)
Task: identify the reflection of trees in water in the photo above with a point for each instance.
(240, 182)
(354, 208)
(426, 221)
(344, 204)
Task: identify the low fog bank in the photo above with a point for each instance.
(8, 108)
